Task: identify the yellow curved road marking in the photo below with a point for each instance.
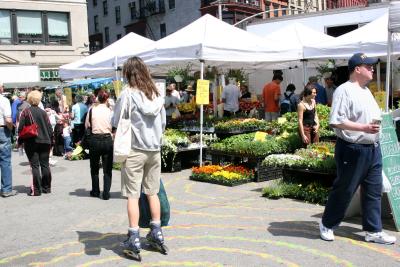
(225, 205)
(302, 248)
(378, 249)
(212, 215)
(245, 252)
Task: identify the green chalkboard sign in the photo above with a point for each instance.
(391, 164)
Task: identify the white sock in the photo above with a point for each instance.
(133, 229)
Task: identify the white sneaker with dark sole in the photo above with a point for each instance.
(380, 238)
(326, 233)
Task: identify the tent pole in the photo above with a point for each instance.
(388, 65)
(378, 76)
(116, 67)
(201, 116)
(304, 71)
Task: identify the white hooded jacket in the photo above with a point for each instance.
(147, 118)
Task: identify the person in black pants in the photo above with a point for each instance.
(37, 148)
(100, 144)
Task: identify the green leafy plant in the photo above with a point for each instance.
(239, 74)
(244, 145)
(325, 68)
(313, 192)
(184, 72)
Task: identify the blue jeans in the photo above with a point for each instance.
(67, 144)
(5, 160)
(356, 165)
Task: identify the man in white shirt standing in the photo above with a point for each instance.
(6, 126)
(355, 117)
(230, 98)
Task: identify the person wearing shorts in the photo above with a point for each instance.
(142, 168)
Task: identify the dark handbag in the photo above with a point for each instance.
(144, 208)
(88, 133)
(31, 130)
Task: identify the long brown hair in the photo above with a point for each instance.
(138, 76)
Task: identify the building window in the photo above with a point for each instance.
(34, 27)
(94, 2)
(106, 35)
(58, 28)
(5, 27)
(117, 15)
(171, 4)
(163, 30)
(119, 36)
(105, 8)
(132, 9)
(29, 27)
(276, 10)
(96, 23)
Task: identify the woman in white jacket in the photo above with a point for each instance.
(143, 166)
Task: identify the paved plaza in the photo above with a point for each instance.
(210, 225)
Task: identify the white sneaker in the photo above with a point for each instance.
(380, 237)
(326, 233)
(52, 162)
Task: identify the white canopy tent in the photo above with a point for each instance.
(392, 33)
(106, 60)
(216, 42)
(371, 39)
(297, 37)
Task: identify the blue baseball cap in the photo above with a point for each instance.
(360, 59)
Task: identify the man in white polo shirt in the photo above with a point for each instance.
(355, 118)
(6, 125)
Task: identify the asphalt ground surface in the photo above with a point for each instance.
(210, 225)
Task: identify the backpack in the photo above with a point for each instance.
(287, 105)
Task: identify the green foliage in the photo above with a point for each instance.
(184, 72)
(317, 157)
(325, 68)
(323, 112)
(313, 192)
(117, 166)
(239, 74)
(241, 125)
(245, 145)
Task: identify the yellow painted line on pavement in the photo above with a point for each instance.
(168, 182)
(242, 251)
(225, 205)
(211, 215)
(374, 247)
(101, 261)
(302, 248)
(180, 263)
(188, 190)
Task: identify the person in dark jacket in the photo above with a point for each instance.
(37, 148)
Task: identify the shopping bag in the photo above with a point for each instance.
(31, 130)
(88, 133)
(123, 135)
(144, 208)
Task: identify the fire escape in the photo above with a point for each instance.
(140, 24)
(232, 10)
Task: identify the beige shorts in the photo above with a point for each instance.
(141, 168)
